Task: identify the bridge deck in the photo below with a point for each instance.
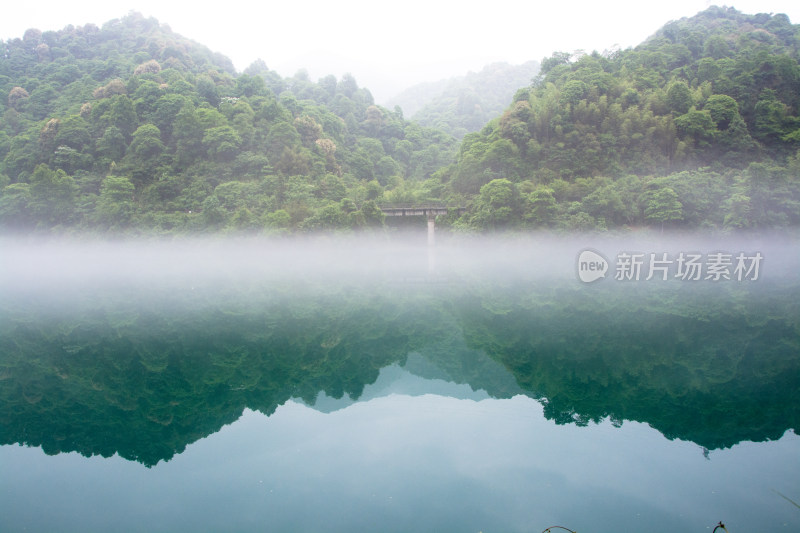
(418, 211)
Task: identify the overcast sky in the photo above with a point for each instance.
(386, 46)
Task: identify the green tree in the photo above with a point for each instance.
(737, 211)
(372, 215)
(697, 126)
(308, 129)
(605, 203)
(278, 222)
(42, 101)
(251, 86)
(115, 206)
(73, 131)
(207, 90)
(723, 110)
(17, 97)
(222, 143)
(243, 221)
(188, 135)
(663, 206)
(52, 197)
(347, 85)
(111, 146)
(146, 144)
(116, 111)
(769, 117)
(542, 207)
(166, 110)
(679, 97)
(573, 91)
(144, 153)
(145, 100)
(282, 135)
(496, 205)
(330, 217)
(213, 214)
(15, 207)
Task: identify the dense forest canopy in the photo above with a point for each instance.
(696, 127)
(129, 128)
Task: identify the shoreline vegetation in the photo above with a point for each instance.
(132, 130)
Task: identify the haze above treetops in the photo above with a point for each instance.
(390, 48)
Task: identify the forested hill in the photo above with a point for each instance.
(130, 128)
(696, 127)
(466, 103)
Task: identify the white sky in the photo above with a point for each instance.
(386, 46)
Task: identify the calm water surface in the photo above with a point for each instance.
(343, 386)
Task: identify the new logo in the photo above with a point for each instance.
(591, 266)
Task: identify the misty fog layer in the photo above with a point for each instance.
(31, 264)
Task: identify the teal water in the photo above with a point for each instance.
(339, 387)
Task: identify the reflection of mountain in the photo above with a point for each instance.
(144, 373)
(698, 363)
(143, 377)
(397, 379)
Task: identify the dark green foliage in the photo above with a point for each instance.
(660, 356)
(710, 95)
(582, 146)
(133, 101)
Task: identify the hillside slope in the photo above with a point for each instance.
(132, 128)
(699, 126)
(466, 103)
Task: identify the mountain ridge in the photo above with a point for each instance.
(463, 104)
(132, 129)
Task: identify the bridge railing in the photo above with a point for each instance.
(418, 209)
(413, 206)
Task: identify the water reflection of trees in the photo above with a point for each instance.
(144, 373)
(711, 364)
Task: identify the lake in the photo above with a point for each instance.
(378, 384)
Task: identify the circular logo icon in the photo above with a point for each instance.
(591, 266)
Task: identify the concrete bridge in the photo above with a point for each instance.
(430, 211)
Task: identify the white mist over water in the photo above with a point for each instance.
(369, 258)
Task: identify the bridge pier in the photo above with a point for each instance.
(429, 211)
